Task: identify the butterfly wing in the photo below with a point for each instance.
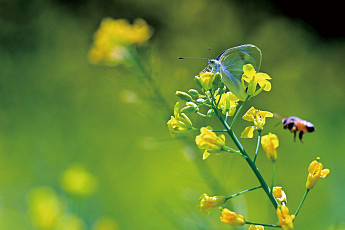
(232, 61)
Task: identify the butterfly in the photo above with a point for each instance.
(230, 65)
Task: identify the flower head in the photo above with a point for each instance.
(254, 78)
(270, 144)
(206, 79)
(232, 218)
(76, 180)
(256, 227)
(315, 172)
(179, 123)
(285, 220)
(227, 103)
(209, 141)
(256, 116)
(114, 36)
(209, 202)
(45, 207)
(279, 194)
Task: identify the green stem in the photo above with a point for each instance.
(257, 145)
(300, 205)
(266, 225)
(244, 191)
(230, 150)
(245, 155)
(273, 176)
(238, 112)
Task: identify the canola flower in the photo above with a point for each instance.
(285, 220)
(208, 202)
(45, 207)
(76, 180)
(256, 116)
(179, 123)
(232, 218)
(209, 141)
(279, 194)
(315, 171)
(227, 103)
(111, 40)
(253, 78)
(270, 144)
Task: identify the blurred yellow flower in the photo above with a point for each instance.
(270, 144)
(285, 220)
(227, 103)
(45, 207)
(315, 172)
(209, 202)
(114, 36)
(256, 227)
(70, 222)
(254, 78)
(279, 194)
(232, 218)
(209, 141)
(105, 224)
(76, 180)
(179, 123)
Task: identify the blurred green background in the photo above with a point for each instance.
(57, 110)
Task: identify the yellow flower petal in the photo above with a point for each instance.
(249, 115)
(249, 70)
(265, 84)
(324, 173)
(205, 155)
(248, 132)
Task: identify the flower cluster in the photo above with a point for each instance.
(220, 96)
(113, 37)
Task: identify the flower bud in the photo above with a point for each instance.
(270, 144)
(207, 202)
(256, 227)
(232, 218)
(285, 220)
(211, 113)
(184, 96)
(193, 92)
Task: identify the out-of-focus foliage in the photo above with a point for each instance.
(57, 110)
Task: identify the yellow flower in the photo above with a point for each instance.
(315, 172)
(179, 123)
(209, 141)
(285, 220)
(279, 194)
(254, 78)
(270, 144)
(45, 207)
(227, 103)
(207, 202)
(114, 36)
(76, 180)
(256, 227)
(105, 224)
(232, 218)
(256, 116)
(206, 79)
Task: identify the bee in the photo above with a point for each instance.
(295, 124)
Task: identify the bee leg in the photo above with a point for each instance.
(300, 135)
(294, 136)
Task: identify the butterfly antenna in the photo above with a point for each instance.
(191, 58)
